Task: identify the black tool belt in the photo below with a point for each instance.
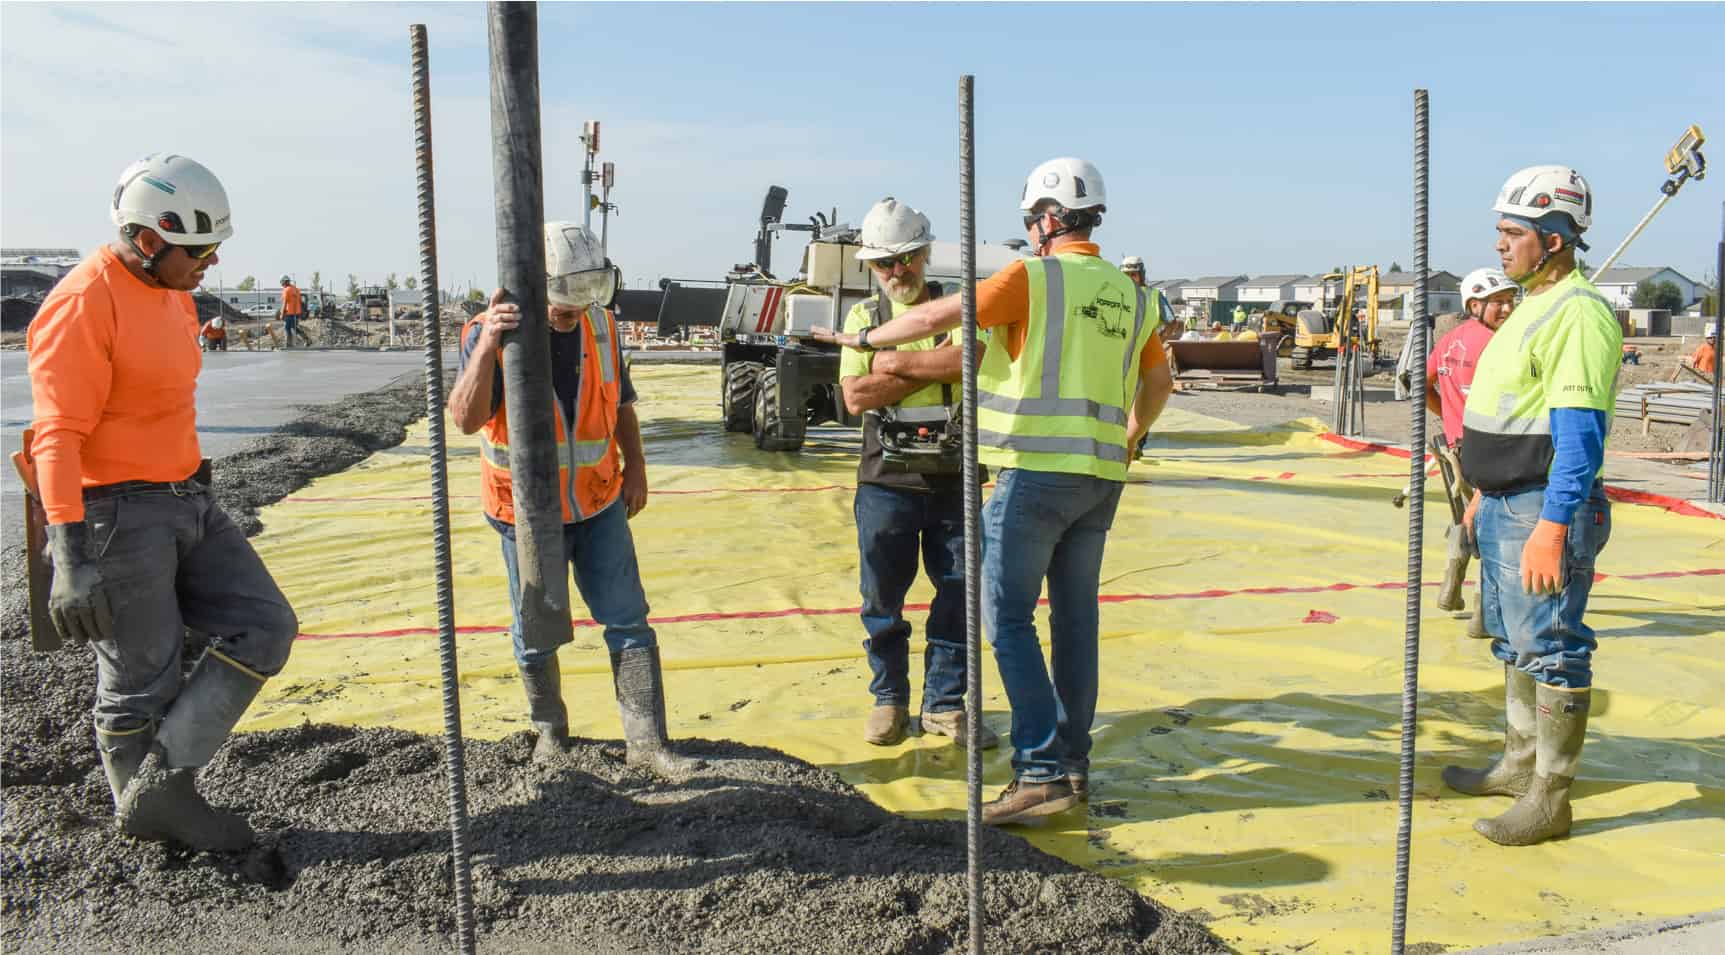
(912, 441)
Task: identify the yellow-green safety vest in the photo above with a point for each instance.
(1063, 404)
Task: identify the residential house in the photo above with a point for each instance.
(1618, 285)
(1267, 289)
(1443, 294)
(1214, 288)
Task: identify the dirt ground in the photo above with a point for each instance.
(757, 853)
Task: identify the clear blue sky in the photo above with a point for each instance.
(1237, 138)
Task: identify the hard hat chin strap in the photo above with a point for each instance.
(147, 262)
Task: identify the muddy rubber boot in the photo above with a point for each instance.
(122, 754)
(162, 801)
(641, 701)
(544, 685)
(1511, 773)
(1476, 623)
(1543, 812)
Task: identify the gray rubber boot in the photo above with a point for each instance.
(1543, 812)
(162, 801)
(1511, 773)
(544, 685)
(641, 700)
(122, 754)
(1476, 623)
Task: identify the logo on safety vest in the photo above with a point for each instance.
(1110, 314)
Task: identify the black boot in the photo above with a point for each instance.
(641, 699)
(544, 685)
(162, 802)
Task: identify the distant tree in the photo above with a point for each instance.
(1649, 294)
(412, 283)
(391, 283)
(475, 295)
(317, 281)
(1395, 266)
(248, 283)
(352, 284)
(1710, 303)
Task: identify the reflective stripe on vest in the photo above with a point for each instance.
(1078, 314)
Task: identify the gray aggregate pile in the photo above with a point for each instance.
(759, 852)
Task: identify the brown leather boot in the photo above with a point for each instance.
(886, 725)
(951, 723)
(1021, 802)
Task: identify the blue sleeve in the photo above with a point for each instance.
(1578, 439)
(628, 390)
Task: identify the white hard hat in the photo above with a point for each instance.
(576, 270)
(1539, 190)
(1074, 183)
(176, 197)
(1132, 263)
(892, 228)
(1484, 283)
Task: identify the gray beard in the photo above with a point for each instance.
(904, 293)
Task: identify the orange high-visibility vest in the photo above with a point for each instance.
(589, 464)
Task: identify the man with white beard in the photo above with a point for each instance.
(907, 504)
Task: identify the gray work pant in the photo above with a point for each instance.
(172, 561)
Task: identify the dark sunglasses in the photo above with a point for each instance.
(200, 252)
(887, 264)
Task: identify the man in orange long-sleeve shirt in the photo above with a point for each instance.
(141, 550)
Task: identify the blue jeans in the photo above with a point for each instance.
(601, 552)
(1044, 525)
(1545, 633)
(893, 525)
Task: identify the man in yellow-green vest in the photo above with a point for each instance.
(910, 487)
(1073, 377)
(1533, 446)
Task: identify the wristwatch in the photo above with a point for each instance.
(862, 341)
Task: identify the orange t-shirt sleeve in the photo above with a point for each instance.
(1152, 355)
(1003, 302)
(71, 374)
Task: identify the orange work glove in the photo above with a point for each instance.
(1542, 558)
(1467, 516)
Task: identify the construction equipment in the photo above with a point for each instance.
(777, 380)
(1250, 364)
(1283, 317)
(1349, 298)
(373, 303)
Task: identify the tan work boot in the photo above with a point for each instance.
(886, 724)
(1021, 801)
(1543, 811)
(951, 723)
(1511, 773)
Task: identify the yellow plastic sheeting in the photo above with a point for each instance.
(1252, 622)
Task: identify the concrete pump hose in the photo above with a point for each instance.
(455, 760)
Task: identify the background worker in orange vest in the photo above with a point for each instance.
(114, 365)
(292, 312)
(603, 484)
(215, 334)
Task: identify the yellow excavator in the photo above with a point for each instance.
(1348, 298)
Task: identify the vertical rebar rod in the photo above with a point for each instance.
(972, 512)
(1416, 530)
(454, 755)
(513, 34)
(1716, 448)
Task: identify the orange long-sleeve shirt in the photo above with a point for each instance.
(114, 371)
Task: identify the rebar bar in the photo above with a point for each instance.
(972, 513)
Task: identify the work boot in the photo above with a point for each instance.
(1021, 801)
(1510, 774)
(164, 805)
(1476, 623)
(122, 754)
(544, 685)
(1080, 785)
(1543, 811)
(952, 723)
(640, 688)
(886, 725)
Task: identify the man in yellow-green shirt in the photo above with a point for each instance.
(909, 499)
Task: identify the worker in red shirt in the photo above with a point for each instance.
(140, 549)
(1487, 297)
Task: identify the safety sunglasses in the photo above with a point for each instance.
(887, 264)
(201, 252)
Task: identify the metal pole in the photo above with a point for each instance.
(513, 33)
(1612, 258)
(1716, 448)
(1416, 531)
(972, 513)
(455, 758)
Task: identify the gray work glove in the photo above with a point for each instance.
(78, 601)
